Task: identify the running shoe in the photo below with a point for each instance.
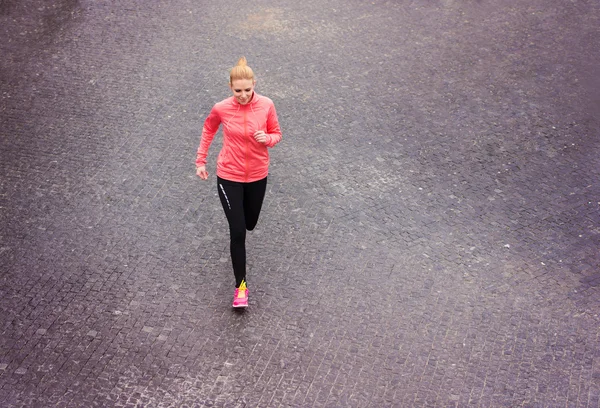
(240, 296)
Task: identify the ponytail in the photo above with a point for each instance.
(241, 71)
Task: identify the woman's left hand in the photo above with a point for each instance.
(260, 136)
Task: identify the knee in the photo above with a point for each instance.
(238, 235)
(251, 223)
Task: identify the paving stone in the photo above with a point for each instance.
(429, 235)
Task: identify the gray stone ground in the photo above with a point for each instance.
(429, 238)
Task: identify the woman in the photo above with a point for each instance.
(250, 126)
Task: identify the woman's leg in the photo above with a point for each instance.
(254, 194)
(232, 200)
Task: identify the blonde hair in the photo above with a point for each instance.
(241, 71)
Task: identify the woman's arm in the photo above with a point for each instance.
(273, 130)
(211, 126)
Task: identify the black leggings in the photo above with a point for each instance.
(242, 203)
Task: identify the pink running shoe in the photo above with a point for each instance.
(240, 296)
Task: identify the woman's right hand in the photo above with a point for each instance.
(201, 172)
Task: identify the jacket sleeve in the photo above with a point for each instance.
(273, 130)
(211, 126)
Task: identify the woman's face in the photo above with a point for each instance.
(242, 90)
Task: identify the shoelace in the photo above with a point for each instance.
(242, 290)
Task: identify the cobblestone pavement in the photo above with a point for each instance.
(429, 236)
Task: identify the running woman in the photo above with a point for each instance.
(250, 126)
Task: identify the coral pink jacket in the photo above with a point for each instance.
(242, 158)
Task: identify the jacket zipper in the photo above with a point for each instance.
(246, 144)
